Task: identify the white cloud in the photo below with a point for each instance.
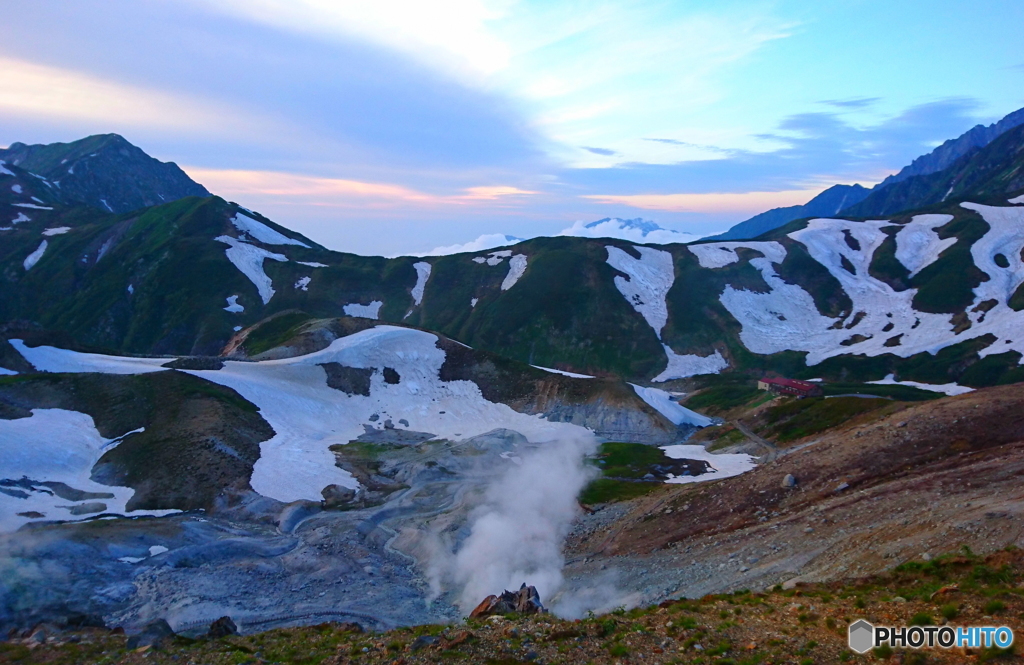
(486, 241)
(634, 230)
(581, 75)
(449, 34)
(745, 203)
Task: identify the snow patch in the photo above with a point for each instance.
(22, 217)
(131, 289)
(312, 264)
(249, 260)
(494, 258)
(563, 372)
(233, 305)
(15, 188)
(918, 244)
(725, 465)
(662, 402)
(262, 232)
(34, 257)
(650, 278)
(303, 283)
(516, 268)
(1018, 199)
(7, 372)
(721, 254)
(947, 388)
(682, 366)
(31, 205)
(56, 231)
(473, 302)
(422, 275)
(52, 359)
(56, 445)
(371, 311)
(3, 169)
(106, 205)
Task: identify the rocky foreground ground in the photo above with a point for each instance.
(804, 624)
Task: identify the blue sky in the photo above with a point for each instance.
(397, 126)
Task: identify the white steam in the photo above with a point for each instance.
(516, 534)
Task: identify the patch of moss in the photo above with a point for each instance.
(628, 460)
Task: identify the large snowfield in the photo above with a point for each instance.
(786, 318)
(306, 414)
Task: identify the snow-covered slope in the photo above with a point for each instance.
(47, 462)
(309, 417)
(882, 320)
(649, 279)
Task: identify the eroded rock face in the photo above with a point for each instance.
(524, 601)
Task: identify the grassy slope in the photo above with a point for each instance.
(564, 312)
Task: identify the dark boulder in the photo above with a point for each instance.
(222, 627)
(155, 634)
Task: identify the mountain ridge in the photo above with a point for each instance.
(941, 158)
(103, 171)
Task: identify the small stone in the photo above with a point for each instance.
(899, 599)
(789, 481)
(809, 530)
(926, 556)
(842, 486)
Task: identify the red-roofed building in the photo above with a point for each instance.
(790, 387)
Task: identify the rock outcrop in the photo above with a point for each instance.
(524, 601)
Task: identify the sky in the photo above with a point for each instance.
(398, 126)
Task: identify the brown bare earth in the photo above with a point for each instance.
(887, 487)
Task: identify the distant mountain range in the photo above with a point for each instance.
(883, 199)
(935, 297)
